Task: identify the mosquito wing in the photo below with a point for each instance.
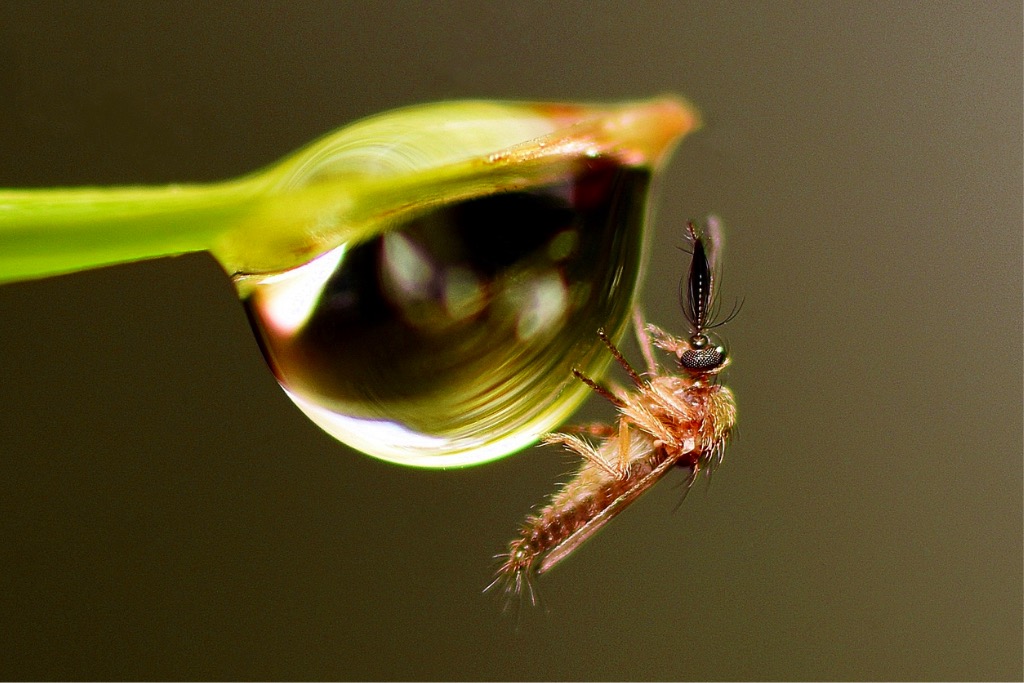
(562, 550)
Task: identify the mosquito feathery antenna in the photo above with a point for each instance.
(698, 294)
(699, 285)
(737, 306)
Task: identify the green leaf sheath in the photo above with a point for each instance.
(53, 231)
(347, 186)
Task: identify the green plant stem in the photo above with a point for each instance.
(53, 231)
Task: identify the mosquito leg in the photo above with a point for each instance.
(598, 389)
(623, 449)
(585, 450)
(644, 340)
(598, 429)
(664, 340)
(637, 379)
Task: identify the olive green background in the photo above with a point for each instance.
(166, 512)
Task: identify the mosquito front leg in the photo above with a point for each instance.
(598, 389)
(617, 355)
(665, 341)
(645, 341)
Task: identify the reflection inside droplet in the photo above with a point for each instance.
(541, 304)
(449, 338)
(297, 292)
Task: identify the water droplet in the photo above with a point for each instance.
(449, 338)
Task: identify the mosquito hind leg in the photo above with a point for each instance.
(587, 451)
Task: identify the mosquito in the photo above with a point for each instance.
(666, 419)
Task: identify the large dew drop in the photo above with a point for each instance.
(449, 338)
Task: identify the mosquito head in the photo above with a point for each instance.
(700, 302)
(701, 358)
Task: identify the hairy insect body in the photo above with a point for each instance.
(685, 417)
(665, 420)
(585, 496)
(672, 421)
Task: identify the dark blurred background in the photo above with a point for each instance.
(166, 512)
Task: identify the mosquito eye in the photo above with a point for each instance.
(703, 360)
